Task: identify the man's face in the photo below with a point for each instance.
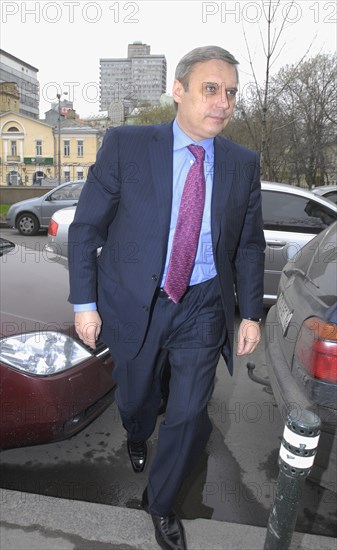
(205, 109)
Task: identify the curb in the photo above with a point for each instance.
(40, 522)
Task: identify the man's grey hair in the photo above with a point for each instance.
(200, 55)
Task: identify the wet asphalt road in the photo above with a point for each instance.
(235, 479)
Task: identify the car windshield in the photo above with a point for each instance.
(318, 260)
(332, 196)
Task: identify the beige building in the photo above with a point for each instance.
(79, 146)
(9, 97)
(29, 150)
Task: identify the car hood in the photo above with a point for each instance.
(34, 292)
(29, 202)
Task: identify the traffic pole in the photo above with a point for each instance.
(296, 457)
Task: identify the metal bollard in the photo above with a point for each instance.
(297, 454)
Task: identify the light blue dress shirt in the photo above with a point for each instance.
(204, 266)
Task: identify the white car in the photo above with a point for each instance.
(292, 216)
(58, 230)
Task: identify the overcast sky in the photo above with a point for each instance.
(66, 39)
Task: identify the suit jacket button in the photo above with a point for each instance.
(145, 308)
(154, 278)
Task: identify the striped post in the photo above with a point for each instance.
(297, 454)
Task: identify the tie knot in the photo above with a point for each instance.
(197, 151)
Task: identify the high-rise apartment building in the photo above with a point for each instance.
(14, 70)
(139, 78)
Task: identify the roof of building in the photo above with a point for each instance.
(38, 121)
(101, 115)
(10, 56)
(77, 125)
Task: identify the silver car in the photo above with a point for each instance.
(301, 345)
(292, 217)
(31, 215)
(326, 191)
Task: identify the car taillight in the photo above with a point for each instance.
(316, 349)
(52, 228)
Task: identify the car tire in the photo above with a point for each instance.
(27, 224)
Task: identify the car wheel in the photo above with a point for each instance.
(27, 224)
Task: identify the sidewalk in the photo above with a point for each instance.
(34, 522)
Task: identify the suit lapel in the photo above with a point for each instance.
(224, 174)
(161, 160)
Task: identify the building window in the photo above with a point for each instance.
(80, 147)
(13, 178)
(80, 174)
(66, 175)
(66, 148)
(38, 147)
(14, 150)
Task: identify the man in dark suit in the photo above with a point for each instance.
(177, 212)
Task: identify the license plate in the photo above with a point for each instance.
(284, 313)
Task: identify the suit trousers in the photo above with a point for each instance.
(189, 335)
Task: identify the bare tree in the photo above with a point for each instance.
(272, 48)
(306, 97)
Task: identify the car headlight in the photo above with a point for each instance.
(42, 353)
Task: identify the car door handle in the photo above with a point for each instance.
(75, 204)
(276, 244)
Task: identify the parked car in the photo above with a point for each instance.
(51, 384)
(58, 230)
(31, 215)
(292, 216)
(301, 344)
(327, 191)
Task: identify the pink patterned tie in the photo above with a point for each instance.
(186, 236)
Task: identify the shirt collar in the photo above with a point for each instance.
(181, 140)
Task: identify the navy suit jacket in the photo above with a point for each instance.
(125, 207)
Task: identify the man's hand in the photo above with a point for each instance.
(249, 337)
(88, 326)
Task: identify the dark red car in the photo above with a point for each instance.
(51, 385)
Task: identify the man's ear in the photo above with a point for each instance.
(177, 91)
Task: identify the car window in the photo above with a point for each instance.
(288, 212)
(76, 190)
(68, 192)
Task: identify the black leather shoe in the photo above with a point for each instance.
(137, 452)
(169, 531)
